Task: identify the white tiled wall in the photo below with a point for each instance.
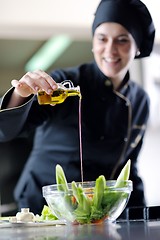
(149, 165)
(149, 159)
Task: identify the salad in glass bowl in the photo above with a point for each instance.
(88, 202)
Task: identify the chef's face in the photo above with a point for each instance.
(114, 50)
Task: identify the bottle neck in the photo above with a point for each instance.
(74, 92)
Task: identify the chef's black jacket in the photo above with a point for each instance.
(113, 127)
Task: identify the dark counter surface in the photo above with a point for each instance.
(127, 230)
(137, 224)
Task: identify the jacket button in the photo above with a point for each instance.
(107, 83)
(101, 138)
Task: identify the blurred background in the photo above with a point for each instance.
(30, 31)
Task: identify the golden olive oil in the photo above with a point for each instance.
(60, 94)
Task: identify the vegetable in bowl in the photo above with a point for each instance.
(88, 202)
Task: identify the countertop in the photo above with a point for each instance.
(138, 223)
(126, 230)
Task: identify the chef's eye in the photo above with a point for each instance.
(101, 38)
(122, 40)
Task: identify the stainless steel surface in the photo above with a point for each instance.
(131, 230)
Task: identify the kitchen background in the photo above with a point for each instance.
(27, 29)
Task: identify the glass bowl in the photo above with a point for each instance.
(87, 205)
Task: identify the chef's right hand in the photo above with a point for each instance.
(32, 82)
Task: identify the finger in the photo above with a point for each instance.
(21, 88)
(48, 78)
(15, 83)
(20, 85)
(32, 80)
(39, 80)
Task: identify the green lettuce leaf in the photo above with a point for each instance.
(124, 175)
(96, 208)
(61, 179)
(83, 210)
(47, 214)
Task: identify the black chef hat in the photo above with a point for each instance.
(134, 16)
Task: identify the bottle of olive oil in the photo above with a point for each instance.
(60, 94)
